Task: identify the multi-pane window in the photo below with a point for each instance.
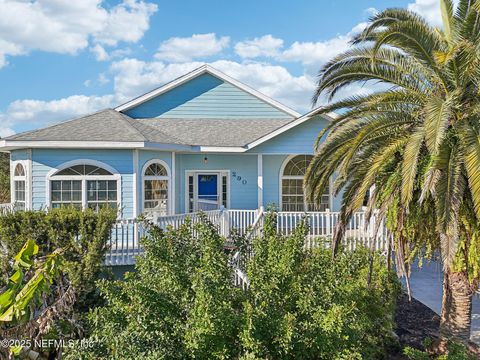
(293, 198)
(84, 186)
(155, 187)
(101, 193)
(66, 192)
(19, 187)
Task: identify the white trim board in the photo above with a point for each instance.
(206, 69)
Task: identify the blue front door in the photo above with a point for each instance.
(207, 192)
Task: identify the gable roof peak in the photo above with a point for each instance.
(206, 69)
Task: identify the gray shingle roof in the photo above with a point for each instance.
(214, 132)
(111, 125)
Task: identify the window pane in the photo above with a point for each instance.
(19, 170)
(62, 193)
(156, 195)
(156, 170)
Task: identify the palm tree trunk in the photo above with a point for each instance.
(456, 314)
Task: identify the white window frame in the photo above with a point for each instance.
(84, 178)
(24, 178)
(280, 183)
(195, 174)
(170, 200)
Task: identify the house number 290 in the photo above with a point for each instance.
(238, 177)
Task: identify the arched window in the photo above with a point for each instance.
(292, 193)
(156, 188)
(84, 186)
(19, 187)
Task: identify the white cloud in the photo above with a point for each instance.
(66, 27)
(429, 9)
(32, 114)
(87, 83)
(100, 52)
(197, 46)
(266, 45)
(317, 53)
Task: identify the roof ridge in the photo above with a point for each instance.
(128, 120)
(134, 122)
(12, 137)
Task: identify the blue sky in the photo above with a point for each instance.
(76, 57)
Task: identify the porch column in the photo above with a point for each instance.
(260, 179)
(29, 182)
(172, 185)
(136, 182)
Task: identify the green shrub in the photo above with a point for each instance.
(455, 352)
(181, 302)
(305, 304)
(82, 235)
(52, 289)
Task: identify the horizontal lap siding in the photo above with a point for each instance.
(271, 178)
(242, 196)
(43, 161)
(206, 97)
(298, 140)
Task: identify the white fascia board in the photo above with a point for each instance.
(166, 147)
(329, 117)
(199, 71)
(221, 149)
(18, 144)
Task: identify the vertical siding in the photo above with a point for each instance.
(242, 196)
(206, 97)
(44, 160)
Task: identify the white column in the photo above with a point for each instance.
(260, 179)
(172, 185)
(136, 200)
(29, 182)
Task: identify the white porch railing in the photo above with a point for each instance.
(6, 208)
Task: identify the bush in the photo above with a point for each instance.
(305, 304)
(82, 235)
(178, 304)
(55, 286)
(181, 302)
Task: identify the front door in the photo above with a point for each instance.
(206, 190)
(207, 193)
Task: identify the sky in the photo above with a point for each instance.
(60, 59)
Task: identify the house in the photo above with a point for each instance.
(201, 142)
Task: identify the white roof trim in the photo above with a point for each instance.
(199, 71)
(7, 145)
(290, 125)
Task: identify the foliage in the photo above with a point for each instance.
(81, 234)
(54, 275)
(305, 304)
(455, 352)
(415, 140)
(181, 303)
(4, 178)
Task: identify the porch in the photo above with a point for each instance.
(126, 233)
(124, 242)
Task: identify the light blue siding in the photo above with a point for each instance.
(44, 160)
(206, 97)
(243, 187)
(298, 140)
(271, 179)
(17, 155)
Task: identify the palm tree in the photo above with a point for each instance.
(414, 143)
